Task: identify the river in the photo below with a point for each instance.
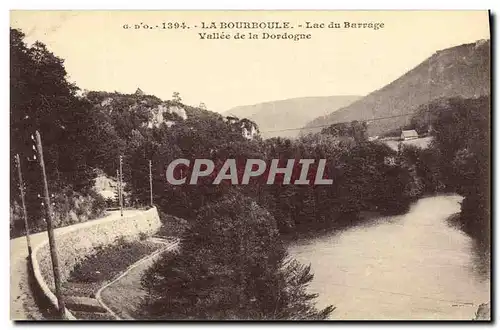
(411, 266)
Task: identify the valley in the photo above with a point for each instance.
(130, 199)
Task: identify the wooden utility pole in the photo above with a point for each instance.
(118, 187)
(50, 230)
(121, 186)
(150, 185)
(429, 71)
(23, 202)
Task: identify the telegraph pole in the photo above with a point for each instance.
(50, 230)
(121, 185)
(429, 128)
(118, 192)
(150, 185)
(25, 214)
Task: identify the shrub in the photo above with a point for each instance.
(69, 208)
(108, 261)
(232, 265)
(171, 225)
(110, 202)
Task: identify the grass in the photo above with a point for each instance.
(171, 226)
(104, 265)
(93, 316)
(126, 296)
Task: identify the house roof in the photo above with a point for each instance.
(409, 133)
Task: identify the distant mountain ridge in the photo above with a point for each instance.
(457, 71)
(286, 117)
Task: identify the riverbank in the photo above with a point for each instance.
(364, 218)
(410, 266)
(483, 312)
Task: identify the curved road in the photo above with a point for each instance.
(22, 302)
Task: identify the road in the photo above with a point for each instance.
(22, 301)
(420, 142)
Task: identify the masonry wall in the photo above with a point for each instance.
(76, 242)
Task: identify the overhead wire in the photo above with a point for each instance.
(343, 122)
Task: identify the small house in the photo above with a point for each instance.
(409, 135)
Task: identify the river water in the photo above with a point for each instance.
(412, 266)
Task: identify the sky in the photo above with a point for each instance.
(100, 54)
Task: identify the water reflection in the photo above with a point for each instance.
(412, 266)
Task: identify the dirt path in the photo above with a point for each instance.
(22, 301)
(124, 295)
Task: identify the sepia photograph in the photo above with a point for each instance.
(239, 165)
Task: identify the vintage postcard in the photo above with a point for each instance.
(250, 165)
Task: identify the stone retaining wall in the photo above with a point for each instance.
(76, 242)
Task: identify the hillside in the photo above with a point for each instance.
(458, 71)
(290, 113)
(144, 110)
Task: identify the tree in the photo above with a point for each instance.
(41, 98)
(232, 265)
(459, 158)
(354, 129)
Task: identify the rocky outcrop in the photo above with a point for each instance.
(483, 312)
(105, 186)
(173, 113)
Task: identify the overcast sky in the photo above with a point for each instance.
(100, 55)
